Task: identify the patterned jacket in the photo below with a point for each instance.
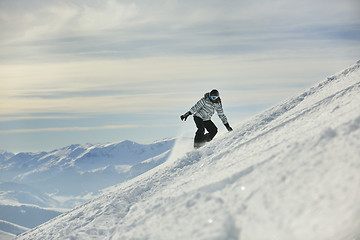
(205, 108)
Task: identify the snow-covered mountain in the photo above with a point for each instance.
(33, 186)
(8, 230)
(292, 172)
(4, 155)
(23, 207)
(14, 194)
(78, 170)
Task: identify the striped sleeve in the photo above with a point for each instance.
(221, 114)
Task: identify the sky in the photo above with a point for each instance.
(97, 71)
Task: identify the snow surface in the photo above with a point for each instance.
(292, 172)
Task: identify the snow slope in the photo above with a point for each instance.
(292, 172)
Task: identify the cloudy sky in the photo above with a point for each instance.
(79, 71)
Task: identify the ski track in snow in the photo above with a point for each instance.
(291, 172)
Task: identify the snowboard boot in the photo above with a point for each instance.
(198, 144)
(207, 137)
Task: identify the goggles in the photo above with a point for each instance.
(214, 97)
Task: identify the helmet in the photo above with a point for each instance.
(214, 94)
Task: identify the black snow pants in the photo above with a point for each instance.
(200, 136)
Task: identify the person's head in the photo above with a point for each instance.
(214, 95)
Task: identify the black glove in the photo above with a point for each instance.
(184, 117)
(228, 127)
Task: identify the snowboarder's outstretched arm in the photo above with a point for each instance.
(223, 118)
(200, 104)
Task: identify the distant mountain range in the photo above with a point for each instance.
(35, 187)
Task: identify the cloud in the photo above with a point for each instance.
(59, 19)
(58, 30)
(12, 118)
(158, 84)
(65, 129)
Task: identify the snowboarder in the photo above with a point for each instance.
(203, 111)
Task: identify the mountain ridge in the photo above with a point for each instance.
(42, 185)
